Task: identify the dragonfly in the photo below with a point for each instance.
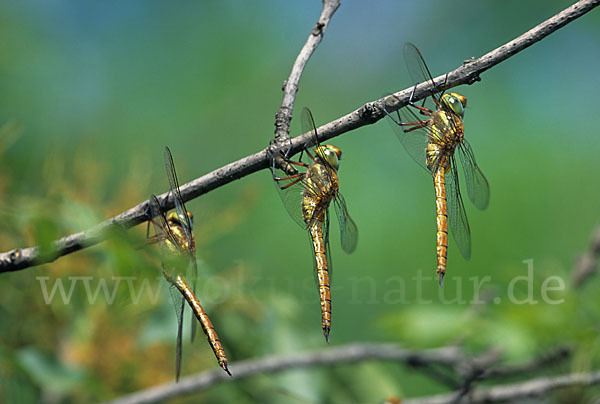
(433, 135)
(174, 233)
(307, 196)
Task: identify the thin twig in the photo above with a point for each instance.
(283, 117)
(448, 356)
(472, 371)
(587, 263)
(547, 359)
(367, 114)
(531, 388)
(485, 368)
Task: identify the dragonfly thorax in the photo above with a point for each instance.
(330, 155)
(174, 217)
(321, 187)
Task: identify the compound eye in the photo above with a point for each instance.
(329, 154)
(454, 102)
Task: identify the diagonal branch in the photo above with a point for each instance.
(447, 356)
(367, 114)
(283, 117)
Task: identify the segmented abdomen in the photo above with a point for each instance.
(316, 235)
(439, 183)
(207, 326)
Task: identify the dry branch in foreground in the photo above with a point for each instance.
(452, 360)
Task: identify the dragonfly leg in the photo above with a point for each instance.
(415, 125)
(412, 94)
(444, 85)
(148, 214)
(298, 163)
(157, 237)
(422, 110)
(286, 186)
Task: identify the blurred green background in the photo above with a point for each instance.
(92, 91)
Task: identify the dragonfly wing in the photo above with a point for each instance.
(291, 192)
(413, 138)
(163, 232)
(178, 302)
(418, 70)
(348, 229)
(186, 222)
(478, 188)
(193, 280)
(308, 125)
(327, 244)
(457, 217)
(158, 218)
(179, 204)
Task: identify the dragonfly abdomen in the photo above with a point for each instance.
(442, 222)
(316, 234)
(207, 326)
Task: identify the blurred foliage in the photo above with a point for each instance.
(92, 91)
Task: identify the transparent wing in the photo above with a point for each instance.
(418, 70)
(348, 229)
(414, 141)
(186, 223)
(411, 125)
(328, 250)
(478, 188)
(179, 204)
(457, 217)
(163, 231)
(192, 278)
(178, 302)
(415, 138)
(291, 191)
(308, 124)
(292, 188)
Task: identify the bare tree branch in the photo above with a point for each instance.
(531, 388)
(367, 114)
(485, 368)
(283, 117)
(587, 263)
(544, 360)
(449, 356)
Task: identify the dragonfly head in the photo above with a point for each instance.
(330, 155)
(174, 217)
(456, 102)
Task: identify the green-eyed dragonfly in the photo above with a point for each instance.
(433, 138)
(307, 196)
(174, 233)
